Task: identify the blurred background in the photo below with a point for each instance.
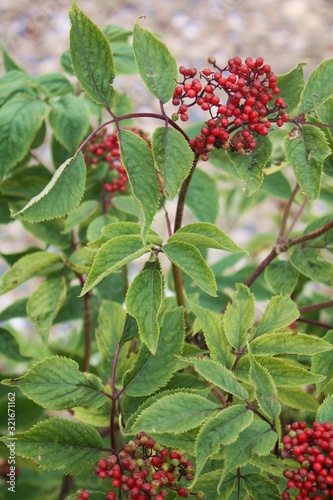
(284, 32)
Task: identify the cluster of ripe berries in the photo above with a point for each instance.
(144, 470)
(104, 149)
(248, 107)
(312, 448)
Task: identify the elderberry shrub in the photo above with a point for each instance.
(312, 449)
(249, 108)
(144, 470)
(104, 148)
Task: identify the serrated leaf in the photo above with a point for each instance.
(281, 276)
(98, 417)
(175, 413)
(325, 114)
(116, 229)
(259, 486)
(318, 88)
(310, 262)
(173, 157)
(61, 195)
(322, 363)
(290, 343)
(325, 410)
(156, 65)
(9, 347)
(306, 153)
(203, 196)
(257, 439)
(219, 376)
(282, 373)
(138, 161)
(208, 484)
(188, 258)
(80, 215)
(297, 398)
(33, 264)
(111, 321)
(142, 380)
(54, 84)
(112, 256)
(20, 120)
(44, 304)
(265, 390)
(206, 235)
(91, 57)
(291, 85)
(272, 464)
(212, 327)
(280, 311)
(250, 166)
(223, 429)
(59, 444)
(143, 302)
(56, 383)
(69, 119)
(239, 316)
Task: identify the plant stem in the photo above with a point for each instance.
(316, 307)
(315, 323)
(114, 399)
(287, 211)
(66, 487)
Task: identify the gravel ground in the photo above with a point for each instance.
(284, 32)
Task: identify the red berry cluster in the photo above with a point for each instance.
(104, 148)
(312, 448)
(144, 470)
(83, 495)
(247, 87)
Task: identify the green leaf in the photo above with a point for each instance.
(239, 316)
(111, 321)
(92, 59)
(173, 157)
(142, 379)
(325, 410)
(143, 302)
(325, 114)
(59, 444)
(291, 85)
(250, 166)
(207, 235)
(156, 65)
(138, 161)
(51, 232)
(9, 347)
(284, 374)
(56, 383)
(69, 120)
(208, 484)
(44, 304)
(16, 309)
(82, 214)
(259, 486)
(281, 276)
(188, 258)
(306, 152)
(280, 312)
(322, 362)
(212, 327)
(297, 398)
(313, 264)
(265, 390)
(54, 84)
(112, 256)
(288, 342)
(116, 229)
(257, 439)
(61, 195)
(174, 413)
(318, 88)
(8, 63)
(33, 264)
(219, 376)
(20, 121)
(223, 429)
(203, 196)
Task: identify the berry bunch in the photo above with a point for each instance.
(104, 148)
(312, 448)
(143, 470)
(245, 112)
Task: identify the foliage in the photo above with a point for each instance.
(174, 328)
